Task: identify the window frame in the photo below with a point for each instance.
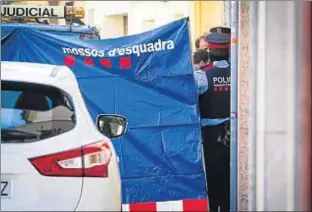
(69, 104)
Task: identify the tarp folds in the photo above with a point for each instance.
(146, 78)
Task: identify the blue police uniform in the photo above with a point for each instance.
(214, 106)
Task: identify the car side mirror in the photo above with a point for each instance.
(112, 126)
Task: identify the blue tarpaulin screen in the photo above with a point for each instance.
(148, 79)
(75, 31)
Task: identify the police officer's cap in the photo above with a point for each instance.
(220, 30)
(218, 38)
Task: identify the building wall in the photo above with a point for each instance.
(243, 105)
(107, 16)
(36, 3)
(142, 15)
(117, 26)
(206, 14)
(145, 15)
(46, 3)
(278, 82)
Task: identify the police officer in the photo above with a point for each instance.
(223, 30)
(200, 43)
(214, 107)
(219, 29)
(200, 58)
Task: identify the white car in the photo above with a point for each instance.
(53, 156)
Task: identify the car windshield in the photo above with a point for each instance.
(32, 112)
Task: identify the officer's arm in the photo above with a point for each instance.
(201, 81)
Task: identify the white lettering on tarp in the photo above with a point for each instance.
(85, 52)
(32, 11)
(136, 49)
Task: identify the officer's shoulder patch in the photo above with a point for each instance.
(221, 64)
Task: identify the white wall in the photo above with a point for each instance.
(107, 15)
(161, 12)
(279, 65)
(113, 26)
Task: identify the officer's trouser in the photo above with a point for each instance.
(217, 163)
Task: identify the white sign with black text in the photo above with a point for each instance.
(33, 11)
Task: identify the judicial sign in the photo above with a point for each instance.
(33, 11)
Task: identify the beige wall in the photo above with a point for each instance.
(158, 12)
(142, 15)
(107, 16)
(211, 15)
(117, 26)
(36, 3)
(243, 101)
(204, 15)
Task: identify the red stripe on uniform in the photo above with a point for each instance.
(208, 67)
(195, 205)
(147, 207)
(218, 46)
(69, 60)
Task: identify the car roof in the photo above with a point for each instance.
(47, 27)
(36, 73)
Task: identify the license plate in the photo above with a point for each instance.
(6, 189)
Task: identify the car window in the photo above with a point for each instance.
(10, 98)
(32, 112)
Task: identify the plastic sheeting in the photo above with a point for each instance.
(146, 78)
(74, 31)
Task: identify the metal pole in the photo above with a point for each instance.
(234, 103)
(227, 20)
(253, 24)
